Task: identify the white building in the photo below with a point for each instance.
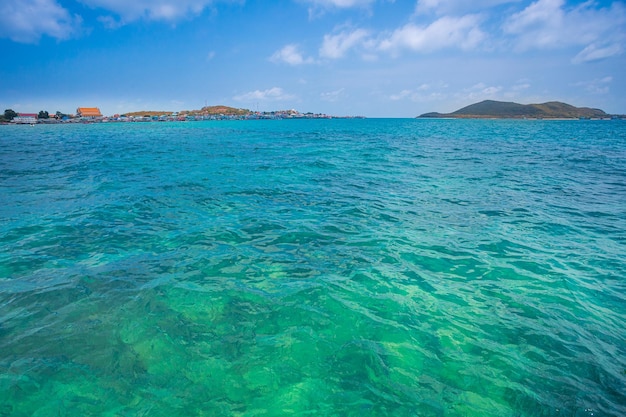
(25, 118)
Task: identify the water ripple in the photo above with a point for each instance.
(337, 267)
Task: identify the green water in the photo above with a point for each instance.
(332, 268)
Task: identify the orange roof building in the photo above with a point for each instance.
(88, 112)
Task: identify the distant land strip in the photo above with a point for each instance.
(93, 115)
(491, 109)
(205, 111)
(233, 112)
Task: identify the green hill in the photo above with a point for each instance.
(205, 111)
(219, 110)
(506, 110)
(148, 113)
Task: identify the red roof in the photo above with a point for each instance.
(88, 112)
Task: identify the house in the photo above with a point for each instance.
(88, 112)
(25, 118)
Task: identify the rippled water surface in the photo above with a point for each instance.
(327, 268)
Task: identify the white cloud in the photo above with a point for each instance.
(550, 24)
(490, 91)
(27, 22)
(318, 8)
(335, 46)
(340, 4)
(596, 86)
(109, 22)
(271, 94)
(521, 85)
(457, 6)
(480, 91)
(595, 52)
(447, 32)
(291, 55)
(401, 95)
(539, 24)
(423, 93)
(332, 96)
(164, 10)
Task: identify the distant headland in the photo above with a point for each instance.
(491, 109)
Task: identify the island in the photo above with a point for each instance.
(491, 109)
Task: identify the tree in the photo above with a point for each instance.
(9, 114)
(43, 115)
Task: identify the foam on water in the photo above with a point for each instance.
(334, 267)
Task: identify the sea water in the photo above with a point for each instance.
(313, 267)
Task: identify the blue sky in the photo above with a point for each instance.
(375, 58)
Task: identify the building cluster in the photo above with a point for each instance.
(94, 115)
(83, 114)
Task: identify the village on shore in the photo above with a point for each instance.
(94, 115)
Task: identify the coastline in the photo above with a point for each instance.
(240, 118)
(146, 119)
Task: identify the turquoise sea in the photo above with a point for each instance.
(368, 267)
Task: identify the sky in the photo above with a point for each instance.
(373, 58)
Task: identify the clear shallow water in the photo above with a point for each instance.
(335, 267)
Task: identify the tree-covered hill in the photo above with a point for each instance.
(503, 109)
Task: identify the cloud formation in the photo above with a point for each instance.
(596, 86)
(160, 10)
(597, 52)
(27, 22)
(549, 24)
(435, 92)
(446, 32)
(271, 94)
(424, 92)
(332, 96)
(318, 8)
(335, 46)
(340, 4)
(593, 30)
(543, 24)
(457, 6)
(290, 54)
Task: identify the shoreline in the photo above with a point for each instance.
(227, 118)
